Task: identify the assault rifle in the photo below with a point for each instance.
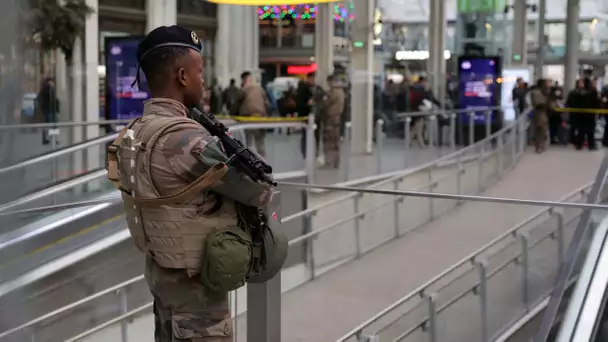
(240, 156)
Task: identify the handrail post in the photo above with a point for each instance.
(264, 299)
(482, 292)
(432, 321)
(396, 204)
(357, 223)
(499, 158)
(347, 151)
(480, 180)
(453, 130)
(310, 252)
(407, 139)
(431, 130)
(310, 149)
(559, 235)
(488, 123)
(471, 128)
(525, 271)
(379, 143)
(123, 305)
(461, 172)
(431, 199)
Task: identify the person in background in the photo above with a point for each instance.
(555, 118)
(47, 105)
(588, 99)
(574, 100)
(540, 102)
(231, 96)
(518, 94)
(215, 101)
(331, 108)
(253, 102)
(304, 102)
(604, 105)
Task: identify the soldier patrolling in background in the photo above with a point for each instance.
(179, 195)
(331, 108)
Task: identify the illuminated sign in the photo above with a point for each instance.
(417, 55)
(301, 69)
(266, 2)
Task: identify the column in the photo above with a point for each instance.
(324, 47)
(361, 75)
(222, 37)
(436, 64)
(237, 46)
(572, 44)
(540, 54)
(520, 23)
(77, 76)
(91, 62)
(160, 13)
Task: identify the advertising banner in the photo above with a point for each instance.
(123, 101)
(509, 78)
(479, 86)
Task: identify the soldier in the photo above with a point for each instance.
(540, 101)
(254, 102)
(178, 193)
(331, 109)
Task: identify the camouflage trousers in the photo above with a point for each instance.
(331, 145)
(541, 126)
(183, 308)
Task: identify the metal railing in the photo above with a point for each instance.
(361, 224)
(418, 314)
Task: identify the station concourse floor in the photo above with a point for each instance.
(339, 300)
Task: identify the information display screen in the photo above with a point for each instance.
(123, 101)
(479, 87)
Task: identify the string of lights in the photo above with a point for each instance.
(342, 12)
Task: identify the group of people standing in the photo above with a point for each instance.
(547, 100)
(251, 99)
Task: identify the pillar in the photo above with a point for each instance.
(362, 78)
(77, 76)
(237, 46)
(160, 13)
(572, 44)
(436, 64)
(91, 62)
(540, 54)
(324, 47)
(520, 23)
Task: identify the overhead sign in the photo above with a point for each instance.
(405, 55)
(481, 6)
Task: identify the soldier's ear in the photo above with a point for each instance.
(181, 77)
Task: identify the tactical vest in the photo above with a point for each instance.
(168, 228)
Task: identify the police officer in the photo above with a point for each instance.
(178, 191)
(331, 108)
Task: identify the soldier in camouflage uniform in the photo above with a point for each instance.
(177, 189)
(331, 109)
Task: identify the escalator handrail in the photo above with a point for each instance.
(81, 180)
(110, 137)
(585, 306)
(59, 153)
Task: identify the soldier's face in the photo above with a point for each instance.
(192, 79)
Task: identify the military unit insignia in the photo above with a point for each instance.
(194, 37)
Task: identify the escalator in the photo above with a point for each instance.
(52, 255)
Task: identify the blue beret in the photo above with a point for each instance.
(175, 35)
